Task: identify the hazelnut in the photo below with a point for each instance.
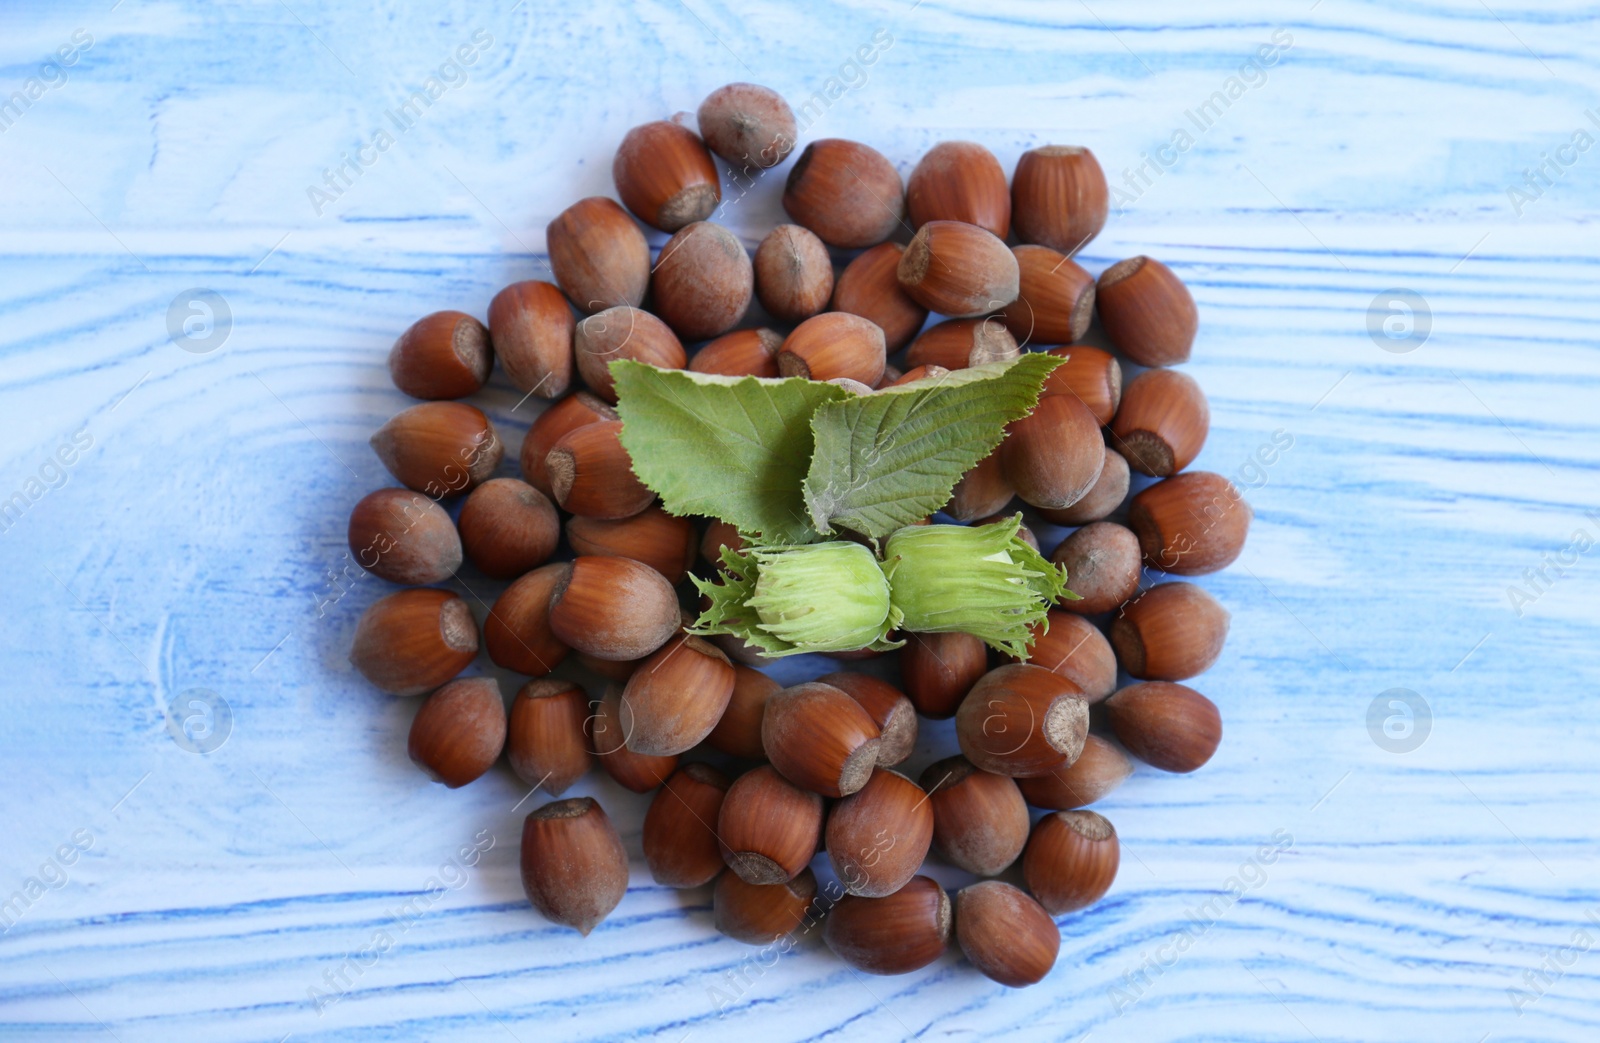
(748, 125)
(738, 731)
(459, 731)
(794, 275)
(574, 867)
(1076, 649)
(1053, 456)
(1102, 561)
(1190, 524)
(612, 671)
(852, 385)
(959, 181)
(1006, 934)
(878, 836)
(1071, 860)
(404, 537)
(675, 698)
(959, 270)
(869, 287)
(414, 640)
(531, 325)
(832, 345)
(1058, 197)
(653, 536)
(768, 827)
(1173, 632)
(1024, 533)
(1099, 769)
(702, 282)
(508, 527)
(894, 378)
(719, 534)
(607, 732)
(592, 475)
(895, 934)
(1147, 312)
(888, 707)
(599, 255)
(742, 353)
(665, 175)
(1103, 497)
(1089, 374)
(570, 413)
(939, 669)
(981, 492)
(846, 192)
(1168, 726)
(820, 739)
(443, 355)
(680, 839)
(517, 633)
(1055, 298)
(439, 448)
(1161, 423)
(960, 343)
(857, 655)
(545, 742)
(1022, 720)
(622, 333)
(980, 821)
(739, 651)
(760, 913)
(613, 608)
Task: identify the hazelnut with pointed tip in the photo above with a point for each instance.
(443, 355)
(665, 175)
(459, 732)
(414, 640)
(574, 867)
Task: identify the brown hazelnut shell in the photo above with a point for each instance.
(574, 867)
(531, 325)
(414, 640)
(443, 355)
(459, 731)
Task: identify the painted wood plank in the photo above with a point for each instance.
(191, 544)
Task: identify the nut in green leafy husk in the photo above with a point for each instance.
(819, 597)
(983, 580)
(835, 597)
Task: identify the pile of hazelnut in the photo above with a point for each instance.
(751, 779)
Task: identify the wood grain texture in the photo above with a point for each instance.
(198, 541)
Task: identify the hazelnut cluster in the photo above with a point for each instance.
(750, 779)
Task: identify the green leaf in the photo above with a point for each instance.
(887, 460)
(734, 448)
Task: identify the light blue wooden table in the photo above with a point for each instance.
(184, 496)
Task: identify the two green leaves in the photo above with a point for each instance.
(795, 459)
